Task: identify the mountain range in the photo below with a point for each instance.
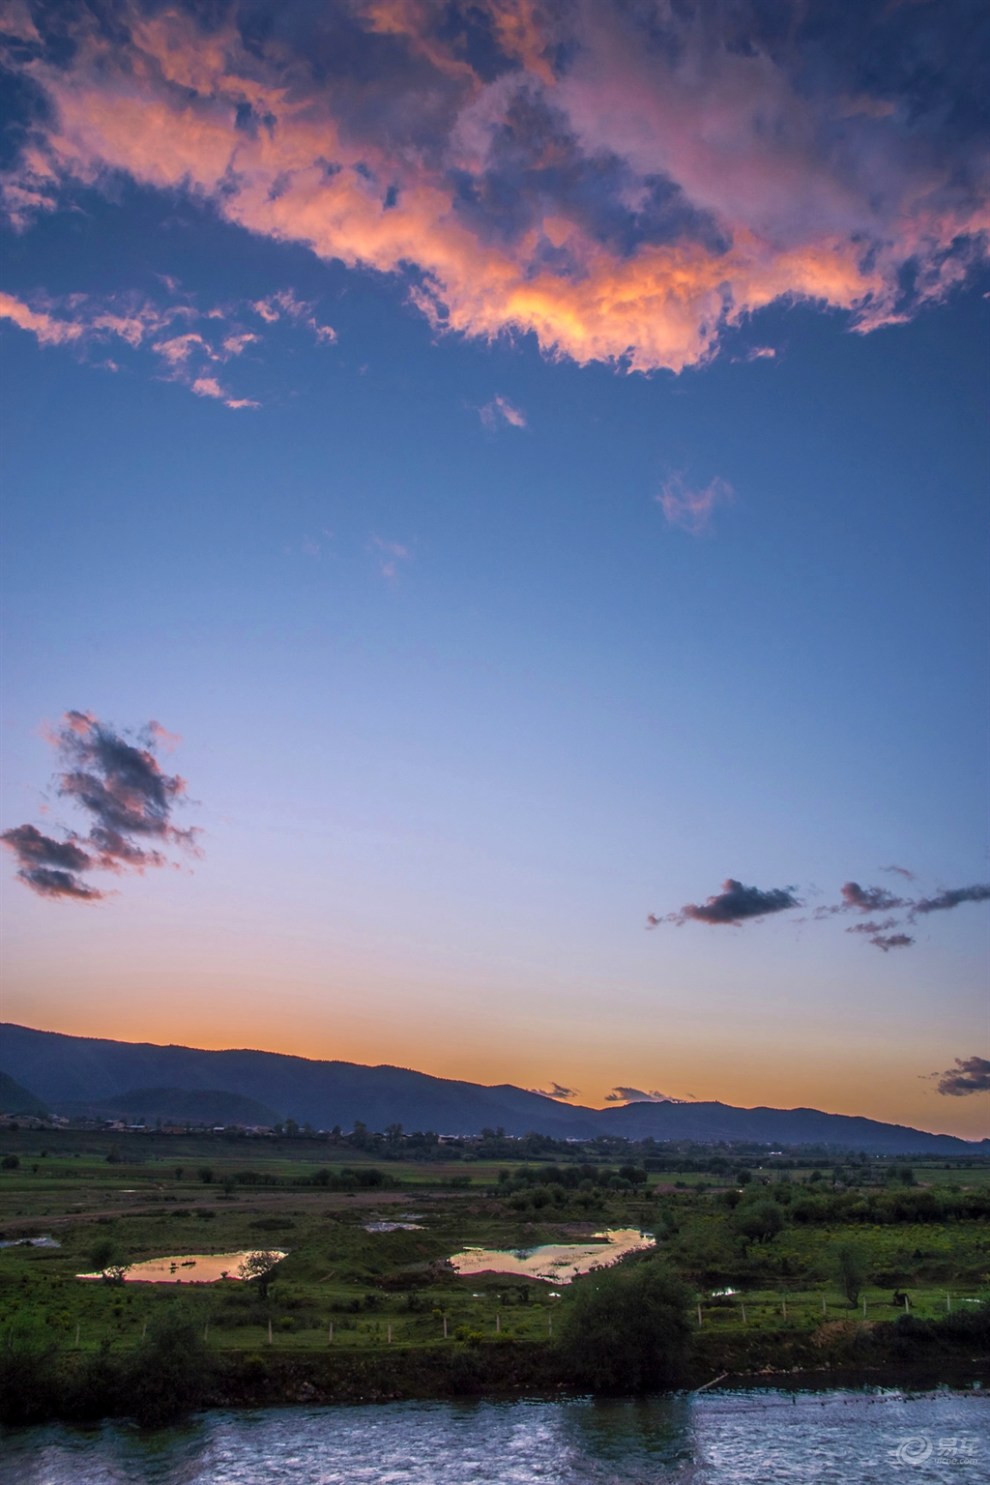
(75, 1074)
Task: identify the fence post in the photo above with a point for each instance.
(445, 1327)
(699, 1314)
(269, 1331)
(743, 1308)
(330, 1334)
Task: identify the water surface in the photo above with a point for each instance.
(711, 1438)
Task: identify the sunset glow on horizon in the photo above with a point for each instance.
(496, 537)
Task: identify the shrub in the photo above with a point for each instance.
(627, 1330)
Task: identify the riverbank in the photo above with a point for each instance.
(156, 1386)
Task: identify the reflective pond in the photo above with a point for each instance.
(190, 1268)
(557, 1263)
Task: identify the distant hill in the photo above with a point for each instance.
(73, 1071)
(17, 1100)
(179, 1106)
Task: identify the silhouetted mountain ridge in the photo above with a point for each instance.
(67, 1071)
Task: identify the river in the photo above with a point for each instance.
(762, 1437)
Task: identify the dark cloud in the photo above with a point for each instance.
(887, 941)
(120, 785)
(49, 867)
(639, 1095)
(970, 1075)
(48, 882)
(556, 1090)
(735, 904)
(34, 849)
(951, 898)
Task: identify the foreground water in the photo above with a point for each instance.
(710, 1438)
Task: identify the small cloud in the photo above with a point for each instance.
(900, 871)
(237, 404)
(692, 509)
(556, 1090)
(886, 941)
(177, 350)
(501, 413)
(208, 386)
(284, 305)
(391, 554)
(235, 345)
(734, 905)
(868, 899)
(970, 1075)
(761, 353)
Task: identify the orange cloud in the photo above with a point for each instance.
(626, 204)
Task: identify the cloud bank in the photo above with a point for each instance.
(626, 183)
(128, 799)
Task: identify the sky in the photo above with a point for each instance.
(496, 540)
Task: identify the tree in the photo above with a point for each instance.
(261, 1266)
(758, 1221)
(850, 1271)
(627, 1329)
(107, 1260)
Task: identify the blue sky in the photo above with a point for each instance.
(481, 644)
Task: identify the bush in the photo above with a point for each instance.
(169, 1373)
(627, 1330)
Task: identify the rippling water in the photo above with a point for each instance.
(850, 1438)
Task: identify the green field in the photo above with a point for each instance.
(343, 1289)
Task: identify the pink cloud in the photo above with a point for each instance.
(501, 413)
(772, 183)
(189, 357)
(46, 328)
(692, 509)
